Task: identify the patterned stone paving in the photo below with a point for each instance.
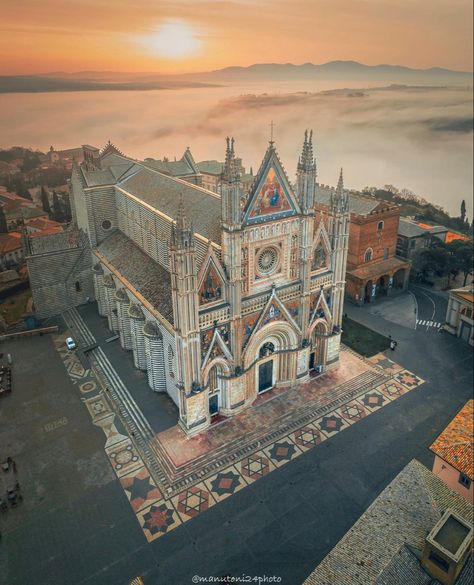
(159, 509)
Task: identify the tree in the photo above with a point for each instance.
(3, 222)
(58, 214)
(22, 191)
(45, 200)
(462, 257)
(433, 261)
(463, 211)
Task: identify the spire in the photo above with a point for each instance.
(229, 173)
(339, 199)
(340, 184)
(306, 162)
(181, 230)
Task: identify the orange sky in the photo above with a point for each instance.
(119, 35)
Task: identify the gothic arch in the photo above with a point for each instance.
(280, 333)
(216, 384)
(318, 330)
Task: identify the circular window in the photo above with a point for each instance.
(267, 261)
(106, 225)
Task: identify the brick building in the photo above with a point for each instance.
(373, 268)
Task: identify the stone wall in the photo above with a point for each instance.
(60, 272)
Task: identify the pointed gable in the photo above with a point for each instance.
(274, 310)
(319, 308)
(110, 148)
(217, 348)
(271, 196)
(211, 280)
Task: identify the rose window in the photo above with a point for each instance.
(267, 261)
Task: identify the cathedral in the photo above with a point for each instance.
(220, 297)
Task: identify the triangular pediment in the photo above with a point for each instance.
(274, 310)
(321, 309)
(211, 280)
(217, 348)
(271, 196)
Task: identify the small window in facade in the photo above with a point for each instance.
(77, 286)
(106, 224)
(380, 226)
(464, 480)
(385, 253)
(368, 255)
(412, 244)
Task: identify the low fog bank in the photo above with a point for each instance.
(418, 138)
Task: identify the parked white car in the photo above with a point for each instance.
(70, 343)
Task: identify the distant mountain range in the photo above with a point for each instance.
(334, 70)
(340, 70)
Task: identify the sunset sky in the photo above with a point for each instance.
(199, 35)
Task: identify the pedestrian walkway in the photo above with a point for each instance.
(428, 324)
(170, 479)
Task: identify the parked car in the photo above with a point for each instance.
(70, 343)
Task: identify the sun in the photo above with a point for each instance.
(174, 39)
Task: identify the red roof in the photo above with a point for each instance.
(455, 444)
(10, 242)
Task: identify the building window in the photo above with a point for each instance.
(171, 361)
(106, 224)
(412, 244)
(385, 253)
(77, 286)
(368, 255)
(466, 312)
(464, 480)
(380, 226)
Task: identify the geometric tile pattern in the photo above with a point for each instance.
(140, 489)
(308, 437)
(193, 501)
(408, 379)
(158, 514)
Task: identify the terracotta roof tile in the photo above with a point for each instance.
(455, 444)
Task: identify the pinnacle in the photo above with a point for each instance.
(340, 183)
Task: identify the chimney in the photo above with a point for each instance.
(447, 548)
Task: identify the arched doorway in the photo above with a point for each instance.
(383, 285)
(270, 358)
(317, 356)
(216, 388)
(266, 367)
(399, 279)
(368, 292)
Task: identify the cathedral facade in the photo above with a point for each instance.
(220, 297)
